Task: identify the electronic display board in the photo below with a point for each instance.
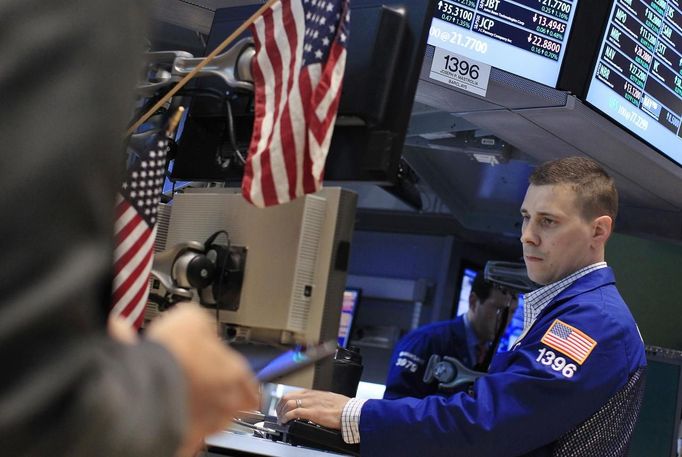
(637, 80)
(524, 37)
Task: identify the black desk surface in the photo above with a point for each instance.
(243, 445)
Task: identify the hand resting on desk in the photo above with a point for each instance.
(323, 408)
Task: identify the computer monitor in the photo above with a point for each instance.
(515, 327)
(527, 37)
(385, 51)
(464, 290)
(637, 78)
(657, 433)
(349, 308)
(295, 267)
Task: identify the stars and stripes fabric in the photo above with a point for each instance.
(298, 72)
(135, 229)
(569, 341)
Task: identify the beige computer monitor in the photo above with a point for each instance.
(295, 271)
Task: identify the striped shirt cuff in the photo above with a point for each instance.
(350, 420)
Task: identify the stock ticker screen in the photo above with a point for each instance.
(524, 37)
(637, 80)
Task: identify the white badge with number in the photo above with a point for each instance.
(460, 72)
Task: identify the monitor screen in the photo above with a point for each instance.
(515, 328)
(465, 290)
(349, 307)
(637, 80)
(385, 50)
(524, 37)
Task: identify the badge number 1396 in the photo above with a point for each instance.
(459, 71)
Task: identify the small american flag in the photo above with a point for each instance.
(569, 340)
(135, 229)
(298, 71)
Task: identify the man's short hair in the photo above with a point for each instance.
(596, 194)
(481, 287)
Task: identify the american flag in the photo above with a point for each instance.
(298, 71)
(135, 229)
(569, 340)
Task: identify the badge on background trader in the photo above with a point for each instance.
(409, 361)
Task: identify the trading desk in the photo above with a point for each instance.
(238, 444)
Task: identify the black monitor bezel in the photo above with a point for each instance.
(590, 16)
(354, 319)
(351, 156)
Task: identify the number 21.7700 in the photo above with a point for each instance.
(459, 39)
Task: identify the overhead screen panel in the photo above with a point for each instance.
(524, 37)
(637, 80)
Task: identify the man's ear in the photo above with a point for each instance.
(601, 229)
(473, 300)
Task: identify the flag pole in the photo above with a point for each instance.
(174, 121)
(201, 65)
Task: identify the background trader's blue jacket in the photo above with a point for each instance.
(533, 394)
(412, 353)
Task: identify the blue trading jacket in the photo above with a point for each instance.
(533, 394)
(412, 353)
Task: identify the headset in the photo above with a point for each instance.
(215, 271)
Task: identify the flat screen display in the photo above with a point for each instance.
(637, 80)
(524, 37)
(464, 291)
(348, 310)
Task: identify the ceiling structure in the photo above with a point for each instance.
(196, 15)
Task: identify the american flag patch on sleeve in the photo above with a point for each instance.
(569, 341)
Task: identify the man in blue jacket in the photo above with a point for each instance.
(468, 338)
(579, 349)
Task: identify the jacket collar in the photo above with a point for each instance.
(589, 282)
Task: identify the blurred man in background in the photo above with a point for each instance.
(68, 388)
(468, 338)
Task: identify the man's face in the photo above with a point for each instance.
(556, 240)
(485, 315)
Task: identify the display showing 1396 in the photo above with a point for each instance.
(458, 65)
